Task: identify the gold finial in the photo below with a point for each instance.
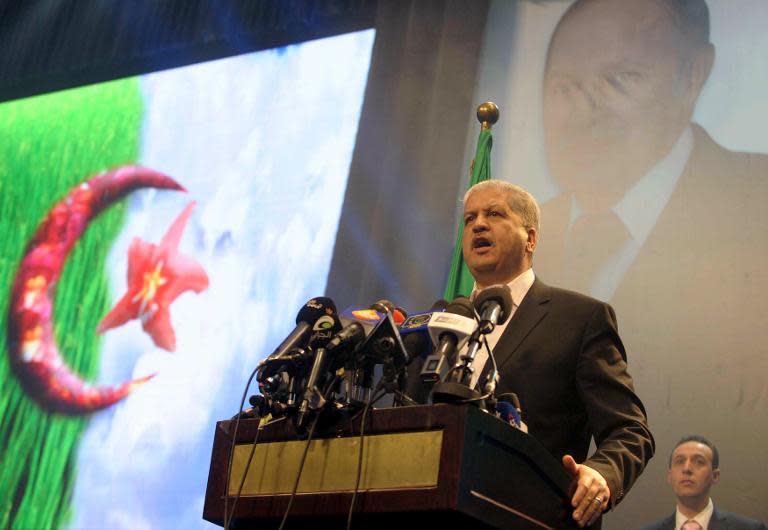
(487, 114)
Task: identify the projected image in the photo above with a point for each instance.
(159, 235)
(640, 127)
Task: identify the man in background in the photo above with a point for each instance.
(694, 467)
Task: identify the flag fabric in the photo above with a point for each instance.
(460, 281)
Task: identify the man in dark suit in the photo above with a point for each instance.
(694, 467)
(560, 352)
(659, 220)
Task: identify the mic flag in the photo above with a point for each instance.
(415, 331)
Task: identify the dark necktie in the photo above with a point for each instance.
(592, 240)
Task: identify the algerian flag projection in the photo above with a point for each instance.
(262, 145)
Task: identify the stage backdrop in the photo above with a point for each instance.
(689, 282)
(262, 144)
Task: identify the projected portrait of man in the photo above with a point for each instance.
(656, 217)
(621, 84)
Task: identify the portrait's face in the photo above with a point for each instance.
(494, 240)
(616, 97)
(691, 474)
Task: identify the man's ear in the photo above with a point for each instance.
(715, 476)
(701, 67)
(533, 240)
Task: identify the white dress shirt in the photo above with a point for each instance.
(518, 288)
(702, 517)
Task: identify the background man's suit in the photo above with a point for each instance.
(720, 521)
(694, 309)
(561, 354)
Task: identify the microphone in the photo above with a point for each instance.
(385, 306)
(508, 409)
(308, 315)
(326, 327)
(324, 330)
(368, 319)
(449, 331)
(350, 335)
(415, 331)
(493, 304)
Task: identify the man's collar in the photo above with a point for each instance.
(518, 287)
(703, 517)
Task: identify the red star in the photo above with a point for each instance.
(157, 275)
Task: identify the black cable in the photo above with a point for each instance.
(368, 405)
(404, 399)
(298, 474)
(228, 519)
(495, 372)
(245, 471)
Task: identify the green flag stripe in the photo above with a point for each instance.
(460, 280)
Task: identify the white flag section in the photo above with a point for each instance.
(263, 144)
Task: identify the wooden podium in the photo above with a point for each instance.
(422, 465)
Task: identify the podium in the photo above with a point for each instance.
(421, 465)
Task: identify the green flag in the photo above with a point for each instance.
(460, 280)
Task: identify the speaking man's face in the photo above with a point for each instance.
(691, 474)
(616, 97)
(495, 243)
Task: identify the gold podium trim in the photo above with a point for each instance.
(401, 460)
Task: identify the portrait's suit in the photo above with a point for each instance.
(561, 354)
(694, 310)
(720, 521)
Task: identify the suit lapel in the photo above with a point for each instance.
(717, 521)
(668, 523)
(532, 310)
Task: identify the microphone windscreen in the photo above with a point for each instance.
(383, 306)
(495, 293)
(416, 344)
(314, 309)
(508, 413)
(461, 306)
(439, 305)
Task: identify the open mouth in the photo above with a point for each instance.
(480, 242)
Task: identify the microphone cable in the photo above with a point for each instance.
(227, 518)
(248, 467)
(494, 373)
(298, 474)
(310, 434)
(374, 399)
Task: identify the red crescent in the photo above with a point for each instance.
(32, 348)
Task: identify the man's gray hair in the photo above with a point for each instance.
(520, 201)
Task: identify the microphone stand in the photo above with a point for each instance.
(455, 388)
